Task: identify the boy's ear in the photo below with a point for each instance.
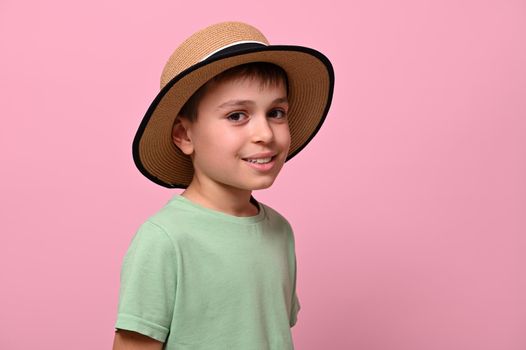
(181, 135)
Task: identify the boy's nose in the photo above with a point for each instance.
(262, 130)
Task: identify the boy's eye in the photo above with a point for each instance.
(278, 114)
(237, 116)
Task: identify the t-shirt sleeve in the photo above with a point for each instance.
(295, 310)
(295, 307)
(148, 283)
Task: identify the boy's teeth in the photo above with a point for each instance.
(259, 160)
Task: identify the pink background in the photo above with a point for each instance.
(409, 207)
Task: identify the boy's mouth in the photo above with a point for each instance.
(259, 160)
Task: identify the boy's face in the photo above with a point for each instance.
(241, 137)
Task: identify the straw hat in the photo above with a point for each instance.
(208, 53)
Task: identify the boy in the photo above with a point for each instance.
(215, 268)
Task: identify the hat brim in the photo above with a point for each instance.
(311, 84)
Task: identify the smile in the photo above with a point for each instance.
(259, 160)
(263, 164)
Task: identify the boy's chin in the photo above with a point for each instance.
(261, 185)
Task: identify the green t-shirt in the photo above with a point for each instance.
(196, 279)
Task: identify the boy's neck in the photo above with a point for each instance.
(230, 201)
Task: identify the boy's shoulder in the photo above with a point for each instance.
(274, 214)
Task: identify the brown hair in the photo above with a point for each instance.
(266, 73)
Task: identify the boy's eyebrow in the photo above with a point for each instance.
(233, 103)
